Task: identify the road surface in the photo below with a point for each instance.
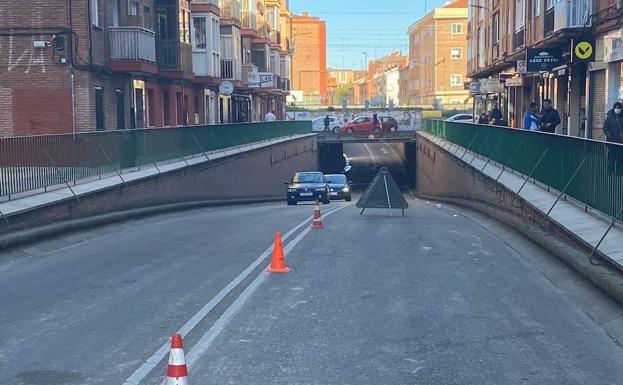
(429, 298)
(368, 158)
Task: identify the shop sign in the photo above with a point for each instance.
(261, 80)
(522, 67)
(543, 59)
(491, 86)
(474, 88)
(583, 50)
(613, 46)
(226, 88)
(514, 82)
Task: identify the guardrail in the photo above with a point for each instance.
(588, 171)
(38, 162)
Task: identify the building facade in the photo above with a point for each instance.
(438, 57)
(119, 64)
(504, 35)
(309, 60)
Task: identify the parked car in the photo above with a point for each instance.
(334, 125)
(339, 187)
(308, 186)
(364, 124)
(461, 118)
(388, 123)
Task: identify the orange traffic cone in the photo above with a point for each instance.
(177, 372)
(278, 261)
(317, 218)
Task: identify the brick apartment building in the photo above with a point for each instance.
(372, 87)
(500, 33)
(310, 76)
(84, 65)
(438, 57)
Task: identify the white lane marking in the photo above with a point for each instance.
(206, 340)
(155, 358)
(371, 154)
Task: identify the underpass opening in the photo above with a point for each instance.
(364, 160)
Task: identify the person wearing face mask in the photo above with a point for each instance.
(613, 128)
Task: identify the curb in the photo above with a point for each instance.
(23, 237)
(604, 276)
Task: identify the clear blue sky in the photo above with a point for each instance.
(356, 26)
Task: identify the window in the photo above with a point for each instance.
(95, 14)
(537, 7)
(495, 29)
(456, 53)
(519, 15)
(133, 11)
(550, 4)
(457, 28)
(99, 109)
(456, 80)
(199, 27)
(184, 26)
(147, 20)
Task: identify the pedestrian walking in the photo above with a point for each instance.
(613, 128)
(531, 118)
(375, 122)
(270, 116)
(327, 122)
(549, 117)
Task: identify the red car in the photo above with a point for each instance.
(364, 124)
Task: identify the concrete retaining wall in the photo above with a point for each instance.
(443, 176)
(249, 176)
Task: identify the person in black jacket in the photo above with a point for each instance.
(549, 117)
(613, 128)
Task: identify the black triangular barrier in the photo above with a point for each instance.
(382, 193)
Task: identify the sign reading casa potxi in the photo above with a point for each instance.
(543, 59)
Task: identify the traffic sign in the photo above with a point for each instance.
(583, 50)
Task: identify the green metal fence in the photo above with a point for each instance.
(586, 170)
(38, 162)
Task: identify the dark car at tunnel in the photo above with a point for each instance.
(307, 186)
(339, 187)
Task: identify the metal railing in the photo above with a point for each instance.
(230, 9)
(248, 69)
(248, 18)
(132, 43)
(588, 171)
(230, 69)
(40, 162)
(174, 55)
(213, 2)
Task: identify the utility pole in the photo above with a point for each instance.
(365, 64)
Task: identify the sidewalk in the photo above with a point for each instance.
(588, 226)
(85, 187)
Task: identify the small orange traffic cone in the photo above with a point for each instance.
(278, 261)
(317, 218)
(177, 372)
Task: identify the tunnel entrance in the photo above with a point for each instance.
(366, 159)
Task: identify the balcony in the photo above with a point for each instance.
(248, 19)
(174, 55)
(567, 14)
(285, 84)
(230, 70)
(230, 9)
(132, 43)
(248, 70)
(213, 2)
(275, 37)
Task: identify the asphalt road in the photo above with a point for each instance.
(429, 298)
(368, 158)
